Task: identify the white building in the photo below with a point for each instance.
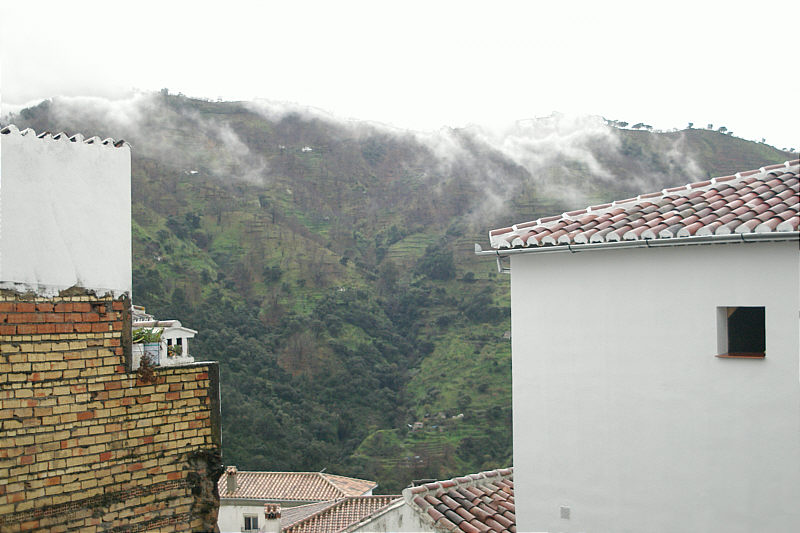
(656, 360)
(243, 494)
(173, 347)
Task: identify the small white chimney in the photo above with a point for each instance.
(272, 518)
(230, 474)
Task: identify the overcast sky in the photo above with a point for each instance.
(424, 65)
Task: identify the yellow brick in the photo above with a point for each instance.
(45, 456)
(25, 505)
(77, 345)
(75, 461)
(33, 494)
(61, 498)
(71, 487)
(26, 440)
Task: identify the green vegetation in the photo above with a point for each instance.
(337, 287)
(146, 335)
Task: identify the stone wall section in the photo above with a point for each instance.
(87, 445)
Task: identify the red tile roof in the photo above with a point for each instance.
(293, 515)
(340, 515)
(478, 503)
(293, 486)
(77, 138)
(760, 201)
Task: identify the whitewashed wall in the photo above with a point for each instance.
(623, 414)
(398, 518)
(231, 517)
(65, 215)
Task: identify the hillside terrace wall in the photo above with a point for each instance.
(87, 445)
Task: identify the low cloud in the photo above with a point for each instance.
(570, 160)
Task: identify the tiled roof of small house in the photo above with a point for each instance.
(11, 129)
(292, 515)
(478, 503)
(340, 515)
(760, 201)
(293, 486)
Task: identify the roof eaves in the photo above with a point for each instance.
(776, 236)
(12, 129)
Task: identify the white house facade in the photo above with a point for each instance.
(656, 360)
(243, 495)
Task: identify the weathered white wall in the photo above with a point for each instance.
(621, 410)
(231, 517)
(65, 215)
(399, 518)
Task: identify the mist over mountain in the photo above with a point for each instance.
(328, 264)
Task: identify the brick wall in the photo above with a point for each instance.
(87, 445)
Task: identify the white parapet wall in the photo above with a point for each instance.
(65, 213)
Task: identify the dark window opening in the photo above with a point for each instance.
(250, 523)
(742, 331)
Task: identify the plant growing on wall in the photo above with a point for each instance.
(146, 371)
(150, 338)
(174, 350)
(146, 335)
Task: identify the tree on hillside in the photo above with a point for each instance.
(436, 263)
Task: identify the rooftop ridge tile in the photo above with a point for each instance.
(12, 129)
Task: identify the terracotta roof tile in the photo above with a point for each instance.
(478, 503)
(340, 514)
(293, 515)
(293, 486)
(748, 202)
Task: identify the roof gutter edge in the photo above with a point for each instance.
(645, 243)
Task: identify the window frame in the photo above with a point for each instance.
(253, 521)
(724, 314)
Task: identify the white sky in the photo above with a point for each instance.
(424, 65)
